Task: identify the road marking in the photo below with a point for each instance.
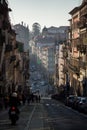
(46, 128)
(47, 104)
(27, 127)
(4, 121)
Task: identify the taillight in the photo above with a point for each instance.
(13, 108)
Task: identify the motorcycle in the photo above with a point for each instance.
(13, 114)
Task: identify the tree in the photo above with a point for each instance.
(36, 28)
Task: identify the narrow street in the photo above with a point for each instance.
(46, 115)
(42, 58)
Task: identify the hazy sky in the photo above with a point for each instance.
(45, 12)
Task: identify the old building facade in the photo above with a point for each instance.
(13, 59)
(76, 63)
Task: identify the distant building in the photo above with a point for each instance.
(43, 50)
(46, 53)
(47, 48)
(22, 32)
(58, 33)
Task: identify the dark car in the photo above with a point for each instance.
(75, 103)
(85, 108)
(69, 100)
(82, 105)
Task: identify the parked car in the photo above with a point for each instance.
(75, 103)
(85, 108)
(70, 100)
(82, 105)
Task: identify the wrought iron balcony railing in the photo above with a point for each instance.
(12, 58)
(2, 39)
(16, 46)
(6, 24)
(82, 24)
(75, 65)
(72, 67)
(84, 11)
(83, 64)
(17, 64)
(82, 48)
(8, 48)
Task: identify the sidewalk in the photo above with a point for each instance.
(36, 118)
(3, 111)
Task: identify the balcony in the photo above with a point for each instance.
(83, 24)
(85, 40)
(75, 25)
(75, 62)
(2, 39)
(84, 11)
(12, 58)
(83, 64)
(17, 64)
(8, 48)
(6, 25)
(4, 2)
(73, 67)
(65, 70)
(16, 46)
(4, 6)
(65, 54)
(81, 48)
